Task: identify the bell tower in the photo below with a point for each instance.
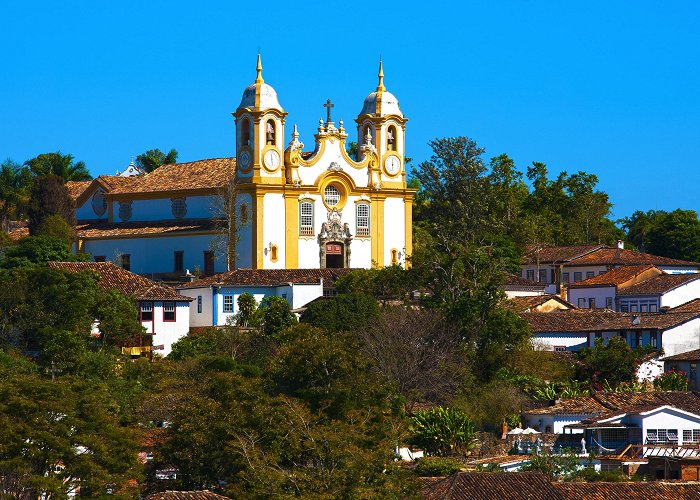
(382, 124)
(259, 134)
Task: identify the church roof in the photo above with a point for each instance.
(113, 277)
(105, 229)
(381, 102)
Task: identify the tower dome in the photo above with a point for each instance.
(380, 101)
(260, 95)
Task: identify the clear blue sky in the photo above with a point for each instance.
(609, 87)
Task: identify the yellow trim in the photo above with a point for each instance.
(408, 228)
(258, 229)
(377, 231)
(338, 182)
(291, 234)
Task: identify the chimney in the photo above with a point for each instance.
(620, 244)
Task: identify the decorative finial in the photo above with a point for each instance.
(295, 132)
(259, 78)
(380, 86)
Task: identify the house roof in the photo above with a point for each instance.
(659, 284)
(598, 255)
(113, 277)
(605, 405)
(637, 490)
(18, 229)
(185, 495)
(528, 303)
(685, 356)
(513, 280)
(268, 277)
(599, 320)
(213, 173)
(490, 485)
(690, 306)
(614, 277)
(551, 254)
(104, 229)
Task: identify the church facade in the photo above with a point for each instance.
(294, 209)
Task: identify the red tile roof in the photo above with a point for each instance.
(606, 404)
(545, 255)
(659, 284)
(492, 486)
(638, 490)
(127, 283)
(599, 320)
(269, 277)
(104, 229)
(214, 173)
(622, 257)
(513, 280)
(18, 229)
(614, 277)
(76, 188)
(185, 495)
(690, 306)
(527, 304)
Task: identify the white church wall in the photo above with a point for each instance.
(87, 212)
(332, 154)
(394, 229)
(361, 254)
(274, 230)
(205, 317)
(682, 338)
(156, 254)
(309, 254)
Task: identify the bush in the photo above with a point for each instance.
(442, 431)
(437, 466)
(672, 380)
(345, 312)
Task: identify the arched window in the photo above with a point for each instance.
(366, 135)
(270, 132)
(391, 138)
(306, 218)
(362, 219)
(245, 133)
(331, 196)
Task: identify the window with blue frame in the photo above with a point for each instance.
(228, 303)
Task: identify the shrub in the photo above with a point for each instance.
(442, 431)
(672, 380)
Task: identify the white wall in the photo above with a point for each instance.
(600, 294)
(522, 293)
(167, 332)
(394, 229)
(204, 318)
(332, 153)
(649, 370)
(555, 422)
(198, 207)
(244, 245)
(156, 254)
(274, 230)
(303, 294)
(572, 341)
(678, 269)
(665, 418)
(682, 294)
(682, 338)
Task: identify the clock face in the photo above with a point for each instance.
(272, 159)
(244, 160)
(392, 165)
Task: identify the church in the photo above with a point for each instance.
(294, 209)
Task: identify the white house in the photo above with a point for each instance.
(215, 298)
(601, 290)
(662, 291)
(517, 286)
(558, 266)
(163, 312)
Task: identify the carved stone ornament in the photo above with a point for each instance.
(334, 229)
(295, 144)
(305, 196)
(335, 167)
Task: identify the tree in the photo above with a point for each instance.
(154, 158)
(612, 363)
(118, 319)
(275, 315)
(344, 312)
(247, 305)
(15, 182)
(55, 226)
(59, 165)
(37, 250)
(49, 196)
(673, 234)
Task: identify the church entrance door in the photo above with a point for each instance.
(334, 255)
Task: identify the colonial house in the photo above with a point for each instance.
(556, 267)
(163, 312)
(676, 330)
(215, 298)
(634, 289)
(293, 209)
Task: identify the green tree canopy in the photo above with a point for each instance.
(673, 234)
(154, 158)
(60, 165)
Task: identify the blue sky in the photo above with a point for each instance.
(612, 88)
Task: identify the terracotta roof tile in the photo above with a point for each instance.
(690, 306)
(545, 255)
(685, 356)
(614, 277)
(492, 485)
(580, 405)
(269, 277)
(185, 495)
(638, 490)
(527, 304)
(519, 281)
(599, 320)
(607, 404)
(214, 173)
(105, 229)
(76, 188)
(18, 229)
(113, 277)
(659, 284)
(622, 257)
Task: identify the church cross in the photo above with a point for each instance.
(328, 105)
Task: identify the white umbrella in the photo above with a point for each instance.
(517, 430)
(530, 430)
